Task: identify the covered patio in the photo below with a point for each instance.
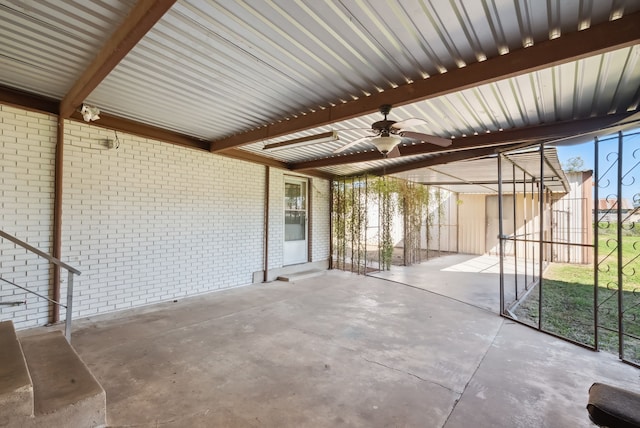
(337, 350)
(178, 156)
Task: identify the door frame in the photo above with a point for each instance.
(301, 247)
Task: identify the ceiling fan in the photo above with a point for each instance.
(387, 134)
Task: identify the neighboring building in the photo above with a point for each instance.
(608, 210)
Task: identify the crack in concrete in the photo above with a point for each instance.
(412, 374)
(415, 287)
(455, 404)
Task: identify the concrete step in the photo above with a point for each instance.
(65, 392)
(296, 276)
(16, 390)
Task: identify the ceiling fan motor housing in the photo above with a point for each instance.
(383, 127)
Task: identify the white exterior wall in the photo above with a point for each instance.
(276, 218)
(146, 222)
(320, 212)
(150, 221)
(27, 158)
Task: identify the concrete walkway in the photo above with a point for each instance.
(336, 350)
(468, 278)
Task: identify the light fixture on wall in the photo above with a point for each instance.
(90, 113)
(325, 137)
(386, 143)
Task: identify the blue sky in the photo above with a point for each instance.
(608, 148)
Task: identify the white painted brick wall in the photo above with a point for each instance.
(27, 156)
(146, 222)
(151, 221)
(276, 218)
(321, 216)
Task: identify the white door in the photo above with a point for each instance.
(295, 221)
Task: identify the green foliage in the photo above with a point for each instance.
(573, 164)
(349, 222)
(568, 296)
(392, 196)
(415, 209)
(386, 189)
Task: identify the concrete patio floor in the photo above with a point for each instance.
(336, 350)
(471, 279)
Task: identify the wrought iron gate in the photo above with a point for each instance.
(577, 252)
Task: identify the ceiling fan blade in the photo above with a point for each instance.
(369, 130)
(409, 123)
(351, 144)
(431, 139)
(394, 153)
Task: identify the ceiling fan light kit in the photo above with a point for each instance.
(389, 133)
(385, 144)
(386, 135)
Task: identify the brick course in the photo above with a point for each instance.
(146, 222)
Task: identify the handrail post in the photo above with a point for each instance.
(67, 326)
(57, 262)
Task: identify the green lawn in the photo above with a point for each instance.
(568, 297)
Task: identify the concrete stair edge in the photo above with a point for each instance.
(69, 397)
(16, 386)
(296, 276)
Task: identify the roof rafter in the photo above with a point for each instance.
(148, 131)
(595, 40)
(494, 139)
(144, 15)
(437, 160)
(115, 123)
(21, 99)
(26, 100)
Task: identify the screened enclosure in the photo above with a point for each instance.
(577, 251)
(566, 235)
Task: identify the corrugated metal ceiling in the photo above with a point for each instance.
(479, 175)
(46, 45)
(211, 69)
(581, 89)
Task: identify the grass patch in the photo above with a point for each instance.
(568, 302)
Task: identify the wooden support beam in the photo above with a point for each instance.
(569, 47)
(437, 160)
(143, 130)
(57, 218)
(494, 139)
(27, 101)
(139, 21)
(255, 158)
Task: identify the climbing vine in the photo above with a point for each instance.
(415, 200)
(365, 212)
(385, 189)
(349, 224)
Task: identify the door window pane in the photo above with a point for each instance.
(294, 225)
(294, 196)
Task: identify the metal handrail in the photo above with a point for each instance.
(33, 249)
(70, 271)
(42, 296)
